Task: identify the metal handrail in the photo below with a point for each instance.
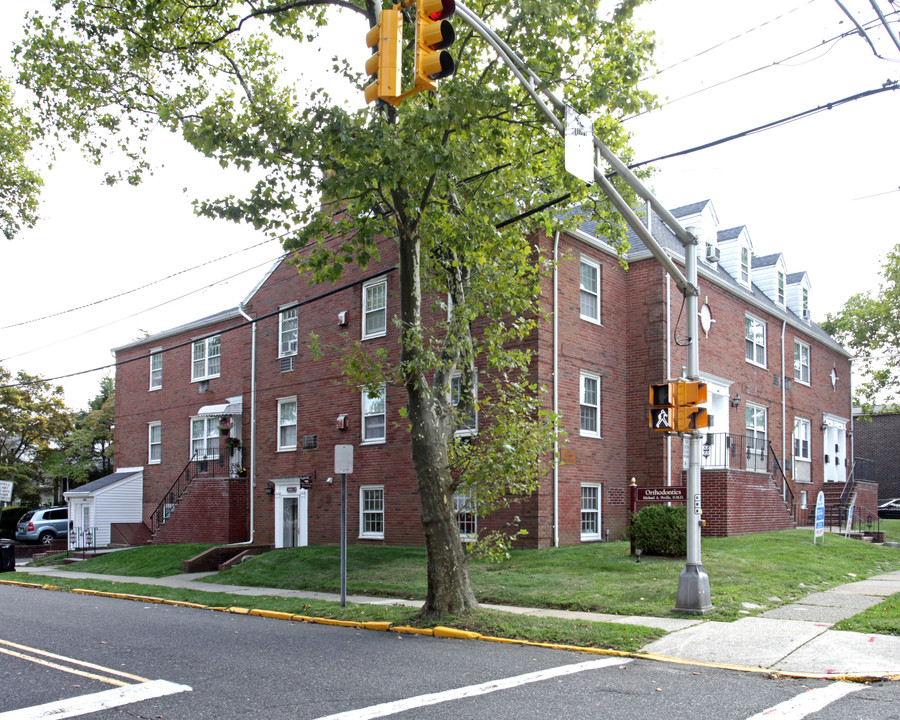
(197, 465)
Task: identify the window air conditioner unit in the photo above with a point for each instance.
(806, 314)
(712, 253)
(342, 422)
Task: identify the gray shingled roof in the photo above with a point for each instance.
(730, 233)
(795, 277)
(765, 260)
(691, 209)
(103, 482)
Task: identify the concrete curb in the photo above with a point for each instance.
(453, 633)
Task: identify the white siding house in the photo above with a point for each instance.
(94, 507)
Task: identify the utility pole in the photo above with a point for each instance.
(693, 584)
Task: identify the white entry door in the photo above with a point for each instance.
(291, 504)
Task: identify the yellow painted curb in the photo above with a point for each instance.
(377, 625)
(301, 618)
(441, 631)
(238, 610)
(20, 584)
(339, 623)
(411, 630)
(274, 614)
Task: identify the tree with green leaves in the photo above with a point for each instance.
(34, 421)
(19, 186)
(448, 176)
(869, 325)
(88, 449)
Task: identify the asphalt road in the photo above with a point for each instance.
(65, 655)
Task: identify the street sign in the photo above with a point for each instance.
(6, 488)
(579, 146)
(343, 459)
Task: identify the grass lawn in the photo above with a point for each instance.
(747, 574)
(891, 530)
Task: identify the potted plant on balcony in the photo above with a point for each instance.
(225, 424)
(239, 471)
(233, 444)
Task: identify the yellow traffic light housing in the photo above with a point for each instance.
(434, 34)
(663, 401)
(385, 63)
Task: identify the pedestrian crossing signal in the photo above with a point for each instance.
(663, 405)
(675, 406)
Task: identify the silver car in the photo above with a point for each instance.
(43, 525)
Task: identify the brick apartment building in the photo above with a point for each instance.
(875, 438)
(779, 401)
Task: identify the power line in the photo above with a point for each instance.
(890, 85)
(134, 290)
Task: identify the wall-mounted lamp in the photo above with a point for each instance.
(270, 488)
(736, 400)
(824, 427)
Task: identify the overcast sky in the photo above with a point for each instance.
(823, 190)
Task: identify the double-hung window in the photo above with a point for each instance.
(590, 405)
(756, 437)
(781, 288)
(287, 332)
(802, 435)
(205, 438)
(156, 360)
(590, 511)
(207, 357)
(755, 341)
(466, 424)
(590, 290)
(287, 424)
(466, 517)
(374, 415)
(801, 362)
(154, 456)
(745, 265)
(374, 309)
(371, 512)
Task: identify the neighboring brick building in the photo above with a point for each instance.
(876, 438)
(779, 398)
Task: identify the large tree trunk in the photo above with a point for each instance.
(449, 590)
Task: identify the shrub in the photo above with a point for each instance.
(661, 530)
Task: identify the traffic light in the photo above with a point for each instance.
(688, 416)
(434, 34)
(674, 406)
(385, 64)
(663, 407)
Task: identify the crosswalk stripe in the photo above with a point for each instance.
(800, 706)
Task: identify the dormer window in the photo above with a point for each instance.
(805, 304)
(745, 265)
(781, 288)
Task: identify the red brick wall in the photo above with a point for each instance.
(212, 510)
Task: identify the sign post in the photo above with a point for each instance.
(849, 527)
(343, 464)
(820, 518)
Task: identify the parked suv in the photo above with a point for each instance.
(44, 525)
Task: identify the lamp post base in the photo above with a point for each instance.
(693, 591)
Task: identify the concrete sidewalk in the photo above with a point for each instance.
(794, 638)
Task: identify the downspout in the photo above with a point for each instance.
(783, 412)
(556, 389)
(668, 370)
(252, 473)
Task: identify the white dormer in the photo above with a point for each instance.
(798, 287)
(736, 254)
(770, 276)
(701, 221)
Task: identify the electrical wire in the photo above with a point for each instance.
(890, 85)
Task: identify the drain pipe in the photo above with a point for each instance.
(252, 473)
(783, 412)
(556, 389)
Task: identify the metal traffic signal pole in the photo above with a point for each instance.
(693, 584)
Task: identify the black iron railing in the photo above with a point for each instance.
(734, 452)
(206, 463)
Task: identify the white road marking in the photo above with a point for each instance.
(377, 711)
(97, 701)
(809, 702)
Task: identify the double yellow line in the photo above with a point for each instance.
(72, 666)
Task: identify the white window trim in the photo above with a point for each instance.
(765, 347)
(763, 448)
(590, 537)
(598, 294)
(150, 443)
(465, 431)
(157, 353)
(281, 402)
(281, 351)
(800, 344)
(362, 430)
(206, 374)
(780, 288)
(211, 449)
(749, 281)
(581, 378)
(798, 421)
(460, 501)
(362, 513)
(365, 289)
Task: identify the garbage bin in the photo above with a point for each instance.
(7, 557)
